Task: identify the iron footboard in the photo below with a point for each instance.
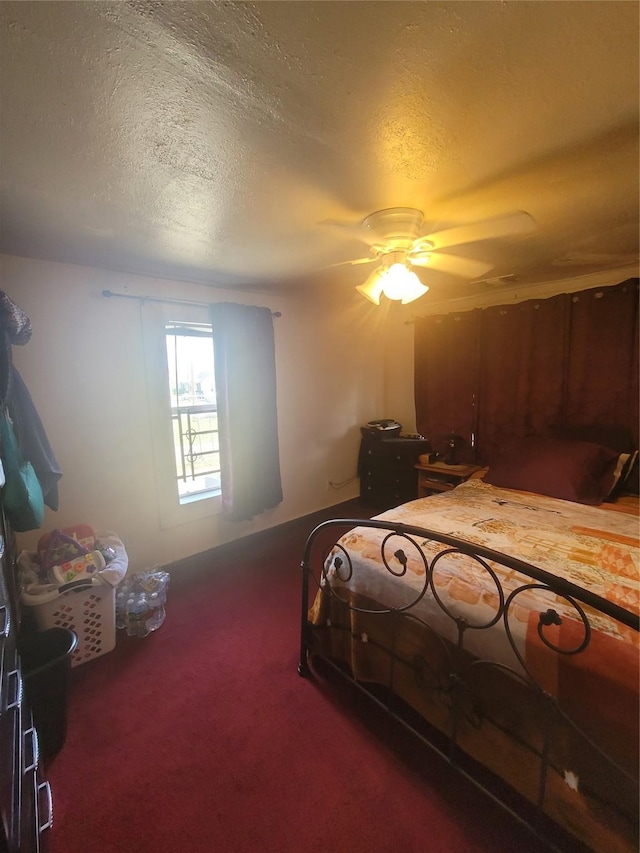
(411, 663)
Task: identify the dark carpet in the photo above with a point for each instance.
(203, 737)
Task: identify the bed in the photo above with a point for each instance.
(501, 625)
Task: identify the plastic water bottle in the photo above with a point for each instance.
(137, 608)
(142, 610)
(157, 612)
(121, 604)
(129, 615)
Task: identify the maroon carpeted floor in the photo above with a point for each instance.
(202, 737)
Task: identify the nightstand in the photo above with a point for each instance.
(440, 477)
(386, 470)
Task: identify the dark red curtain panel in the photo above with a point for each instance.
(534, 368)
(446, 357)
(520, 380)
(245, 371)
(602, 369)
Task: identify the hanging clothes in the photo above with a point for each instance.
(15, 328)
(32, 439)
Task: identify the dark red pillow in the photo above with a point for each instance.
(571, 470)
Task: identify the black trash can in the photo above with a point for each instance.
(46, 662)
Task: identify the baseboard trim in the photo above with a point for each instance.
(188, 567)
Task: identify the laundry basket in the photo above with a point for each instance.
(85, 606)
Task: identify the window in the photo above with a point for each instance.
(194, 414)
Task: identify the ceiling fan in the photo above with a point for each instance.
(396, 245)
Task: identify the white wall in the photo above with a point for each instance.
(85, 368)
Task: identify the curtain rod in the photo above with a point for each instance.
(109, 293)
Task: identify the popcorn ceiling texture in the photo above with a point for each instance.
(206, 141)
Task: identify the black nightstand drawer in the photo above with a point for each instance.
(386, 478)
(387, 497)
(396, 452)
(387, 472)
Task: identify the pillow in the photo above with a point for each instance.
(629, 481)
(576, 471)
(623, 468)
(617, 438)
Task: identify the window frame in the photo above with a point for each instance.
(171, 512)
(186, 458)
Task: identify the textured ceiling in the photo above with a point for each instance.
(208, 141)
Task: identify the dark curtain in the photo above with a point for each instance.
(446, 359)
(602, 376)
(245, 372)
(521, 376)
(534, 368)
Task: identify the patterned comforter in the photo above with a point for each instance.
(594, 548)
(596, 689)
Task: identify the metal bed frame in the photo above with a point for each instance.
(401, 539)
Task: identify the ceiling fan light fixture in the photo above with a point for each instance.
(415, 292)
(395, 225)
(372, 287)
(401, 284)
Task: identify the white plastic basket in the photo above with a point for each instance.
(89, 611)
(87, 607)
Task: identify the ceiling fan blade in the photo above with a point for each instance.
(352, 229)
(351, 263)
(516, 223)
(463, 267)
(509, 278)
